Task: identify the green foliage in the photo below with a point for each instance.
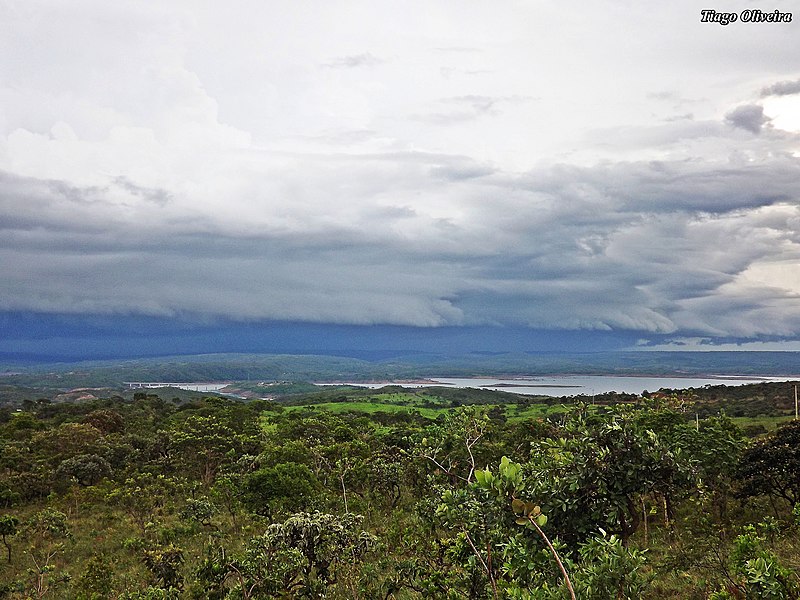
(199, 498)
(152, 593)
(198, 510)
(486, 515)
(602, 569)
(204, 444)
(86, 469)
(106, 421)
(771, 466)
(46, 525)
(44, 534)
(67, 441)
(609, 570)
(9, 527)
(96, 582)
(143, 497)
(304, 556)
(325, 541)
(165, 565)
(452, 444)
(761, 575)
(594, 474)
(286, 485)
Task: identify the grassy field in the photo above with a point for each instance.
(432, 402)
(425, 404)
(370, 407)
(769, 423)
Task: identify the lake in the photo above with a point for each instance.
(573, 385)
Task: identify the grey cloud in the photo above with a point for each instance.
(650, 246)
(781, 88)
(395, 212)
(678, 101)
(157, 196)
(461, 170)
(749, 117)
(663, 187)
(58, 206)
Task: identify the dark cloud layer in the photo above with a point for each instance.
(656, 247)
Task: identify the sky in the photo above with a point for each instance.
(525, 173)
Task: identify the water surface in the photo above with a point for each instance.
(574, 385)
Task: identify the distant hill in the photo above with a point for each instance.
(294, 368)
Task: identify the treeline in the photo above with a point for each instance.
(214, 498)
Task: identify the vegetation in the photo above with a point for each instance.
(398, 493)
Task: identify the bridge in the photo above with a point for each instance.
(194, 387)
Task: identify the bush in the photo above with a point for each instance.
(286, 485)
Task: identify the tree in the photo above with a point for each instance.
(326, 542)
(199, 510)
(302, 557)
(67, 440)
(105, 421)
(771, 466)
(596, 473)
(450, 446)
(757, 572)
(203, 445)
(165, 564)
(44, 534)
(501, 536)
(709, 453)
(289, 485)
(96, 580)
(86, 469)
(143, 497)
(8, 528)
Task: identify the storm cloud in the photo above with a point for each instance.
(654, 247)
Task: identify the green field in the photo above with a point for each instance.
(370, 408)
(425, 404)
(431, 403)
(769, 423)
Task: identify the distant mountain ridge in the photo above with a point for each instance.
(289, 367)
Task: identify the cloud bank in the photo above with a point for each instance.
(657, 247)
